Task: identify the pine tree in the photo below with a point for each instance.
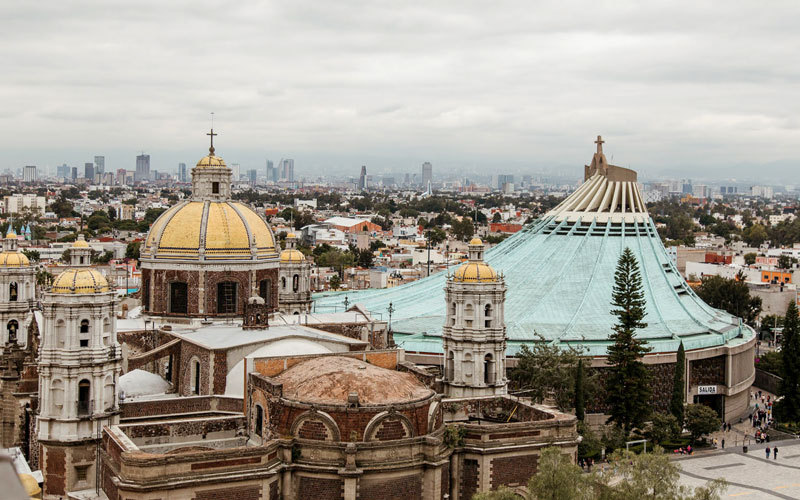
(628, 384)
(678, 386)
(579, 392)
(790, 352)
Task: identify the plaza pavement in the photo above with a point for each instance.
(750, 475)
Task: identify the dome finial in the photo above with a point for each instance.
(212, 134)
(599, 143)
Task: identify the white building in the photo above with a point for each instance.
(29, 173)
(15, 203)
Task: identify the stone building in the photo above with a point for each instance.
(294, 289)
(474, 333)
(205, 257)
(79, 367)
(17, 289)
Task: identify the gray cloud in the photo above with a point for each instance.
(672, 85)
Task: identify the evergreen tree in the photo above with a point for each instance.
(628, 384)
(790, 352)
(678, 385)
(579, 392)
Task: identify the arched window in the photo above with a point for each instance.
(259, 420)
(468, 367)
(83, 339)
(12, 327)
(84, 397)
(468, 312)
(13, 293)
(487, 313)
(283, 282)
(295, 283)
(195, 376)
(264, 290)
(488, 369)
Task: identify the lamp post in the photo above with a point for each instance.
(391, 310)
(346, 302)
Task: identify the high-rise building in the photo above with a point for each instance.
(287, 170)
(29, 174)
(427, 174)
(182, 172)
(252, 176)
(235, 172)
(74, 173)
(63, 171)
(99, 164)
(142, 168)
(272, 174)
(88, 171)
(362, 180)
(407, 180)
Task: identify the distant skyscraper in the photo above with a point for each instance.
(407, 180)
(362, 181)
(142, 168)
(271, 172)
(182, 172)
(235, 172)
(63, 171)
(99, 164)
(427, 174)
(88, 171)
(29, 174)
(287, 170)
(252, 176)
(74, 173)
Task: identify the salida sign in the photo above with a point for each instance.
(706, 389)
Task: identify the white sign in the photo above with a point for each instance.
(706, 389)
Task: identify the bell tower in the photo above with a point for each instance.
(474, 334)
(79, 368)
(294, 287)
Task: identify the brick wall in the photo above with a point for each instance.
(469, 478)
(709, 371)
(189, 350)
(161, 284)
(243, 293)
(220, 371)
(55, 470)
(390, 429)
(196, 404)
(272, 275)
(513, 471)
(396, 488)
(314, 429)
(317, 488)
(236, 492)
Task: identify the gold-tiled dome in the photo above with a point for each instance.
(211, 161)
(475, 272)
(80, 280)
(475, 241)
(219, 230)
(80, 244)
(11, 234)
(292, 255)
(291, 235)
(13, 259)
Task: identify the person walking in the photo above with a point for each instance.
(767, 450)
(775, 453)
(723, 443)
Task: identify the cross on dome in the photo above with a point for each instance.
(211, 134)
(599, 143)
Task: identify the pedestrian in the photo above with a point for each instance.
(767, 452)
(775, 453)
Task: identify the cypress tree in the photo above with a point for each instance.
(628, 385)
(579, 392)
(790, 352)
(678, 386)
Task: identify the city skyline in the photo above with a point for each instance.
(675, 88)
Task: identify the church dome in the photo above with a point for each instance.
(80, 280)
(80, 243)
(475, 272)
(217, 230)
(211, 161)
(292, 255)
(475, 241)
(13, 259)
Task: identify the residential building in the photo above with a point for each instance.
(29, 173)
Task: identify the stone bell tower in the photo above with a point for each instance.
(294, 288)
(79, 369)
(474, 334)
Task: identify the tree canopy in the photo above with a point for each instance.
(731, 295)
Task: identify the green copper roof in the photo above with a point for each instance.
(559, 276)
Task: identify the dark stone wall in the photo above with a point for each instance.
(709, 371)
(397, 488)
(661, 383)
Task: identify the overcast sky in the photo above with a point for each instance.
(475, 86)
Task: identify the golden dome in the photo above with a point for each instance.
(80, 244)
(292, 255)
(291, 235)
(80, 280)
(220, 230)
(211, 161)
(475, 241)
(475, 272)
(13, 259)
(31, 485)
(11, 234)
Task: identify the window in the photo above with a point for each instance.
(195, 377)
(295, 283)
(488, 316)
(488, 369)
(283, 283)
(215, 188)
(178, 298)
(84, 403)
(12, 327)
(84, 334)
(81, 472)
(12, 292)
(468, 365)
(81, 259)
(450, 366)
(226, 297)
(61, 332)
(259, 420)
